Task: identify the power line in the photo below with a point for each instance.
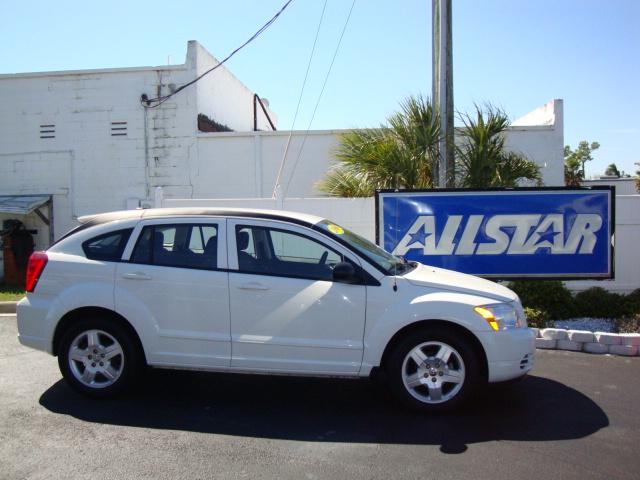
(295, 116)
(146, 102)
(304, 140)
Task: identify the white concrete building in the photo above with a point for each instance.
(85, 140)
(624, 186)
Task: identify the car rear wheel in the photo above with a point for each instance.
(98, 357)
(433, 370)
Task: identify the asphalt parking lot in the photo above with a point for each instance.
(576, 416)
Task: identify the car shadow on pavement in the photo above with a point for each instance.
(334, 410)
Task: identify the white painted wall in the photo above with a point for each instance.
(539, 135)
(624, 186)
(356, 214)
(221, 96)
(240, 165)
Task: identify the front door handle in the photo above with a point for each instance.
(136, 276)
(252, 286)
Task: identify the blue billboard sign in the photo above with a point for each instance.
(502, 233)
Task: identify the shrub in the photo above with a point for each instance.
(536, 318)
(596, 302)
(628, 324)
(633, 302)
(550, 298)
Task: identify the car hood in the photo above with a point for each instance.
(434, 277)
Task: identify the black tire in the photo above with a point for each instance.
(401, 366)
(127, 364)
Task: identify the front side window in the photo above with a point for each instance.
(107, 247)
(181, 245)
(283, 253)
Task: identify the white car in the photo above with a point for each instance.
(259, 291)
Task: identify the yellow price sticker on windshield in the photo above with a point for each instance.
(335, 229)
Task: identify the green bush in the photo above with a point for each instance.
(633, 302)
(536, 318)
(598, 303)
(551, 298)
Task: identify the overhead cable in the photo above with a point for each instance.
(304, 140)
(295, 116)
(156, 102)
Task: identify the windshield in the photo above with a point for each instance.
(389, 264)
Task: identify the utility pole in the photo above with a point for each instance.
(442, 88)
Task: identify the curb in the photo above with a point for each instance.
(8, 307)
(626, 344)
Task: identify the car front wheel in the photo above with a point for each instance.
(433, 370)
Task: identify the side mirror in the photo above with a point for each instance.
(344, 272)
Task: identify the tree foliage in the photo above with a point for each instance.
(612, 171)
(404, 153)
(401, 154)
(574, 161)
(638, 178)
(482, 159)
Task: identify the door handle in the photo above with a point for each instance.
(252, 286)
(136, 276)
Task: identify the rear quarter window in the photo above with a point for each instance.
(107, 247)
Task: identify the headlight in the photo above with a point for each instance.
(501, 316)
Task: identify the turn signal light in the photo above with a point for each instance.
(36, 264)
(488, 316)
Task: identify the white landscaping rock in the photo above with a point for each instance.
(536, 331)
(594, 347)
(569, 345)
(607, 338)
(626, 350)
(553, 334)
(630, 339)
(583, 336)
(545, 343)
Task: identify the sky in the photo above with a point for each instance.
(514, 54)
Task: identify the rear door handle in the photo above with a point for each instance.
(136, 276)
(252, 286)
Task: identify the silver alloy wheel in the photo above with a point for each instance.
(96, 359)
(433, 372)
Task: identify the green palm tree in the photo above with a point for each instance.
(481, 157)
(401, 154)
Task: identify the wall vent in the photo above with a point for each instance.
(47, 131)
(118, 129)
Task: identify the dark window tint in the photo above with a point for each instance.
(283, 253)
(107, 247)
(183, 245)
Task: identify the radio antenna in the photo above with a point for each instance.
(395, 241)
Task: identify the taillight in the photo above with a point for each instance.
(37, 261)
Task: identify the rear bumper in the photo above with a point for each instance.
(510, 353)
(34, 342)
(34, 330)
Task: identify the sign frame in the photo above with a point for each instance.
(610, 275)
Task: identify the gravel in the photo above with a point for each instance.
(591, 324)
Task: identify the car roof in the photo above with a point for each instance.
(295, 217)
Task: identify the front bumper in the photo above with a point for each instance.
(510, 353)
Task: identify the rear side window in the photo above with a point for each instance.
(182, 246)
(107, 247)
